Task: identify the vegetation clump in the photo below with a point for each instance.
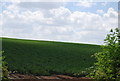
(107, 66)
(3, 68)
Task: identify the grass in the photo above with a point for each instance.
(48, 57)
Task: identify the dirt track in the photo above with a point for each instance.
(20, 77)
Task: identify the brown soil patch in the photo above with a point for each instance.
(21, 77)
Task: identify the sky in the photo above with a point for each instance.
(78, 22)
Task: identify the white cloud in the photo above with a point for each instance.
(85, 4)
(100, 11)
(110, 19)
(58, 24)
(61, 11)
(104, 3)
(1, 22)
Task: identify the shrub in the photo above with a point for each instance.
(108, 61)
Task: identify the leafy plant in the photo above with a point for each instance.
(48, 57)
(108, 61)
(3, 68)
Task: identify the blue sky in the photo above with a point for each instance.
(81, 22)
(72, 6)
(97, 5)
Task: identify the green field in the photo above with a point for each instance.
(48, 57)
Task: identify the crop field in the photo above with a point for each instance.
(48, 57)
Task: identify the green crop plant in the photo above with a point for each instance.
(48, 57)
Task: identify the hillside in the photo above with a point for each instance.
(47, 57)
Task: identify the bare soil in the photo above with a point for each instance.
(21, 77)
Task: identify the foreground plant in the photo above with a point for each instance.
(3, 68)
(107, 66)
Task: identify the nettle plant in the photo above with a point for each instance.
(107, 66)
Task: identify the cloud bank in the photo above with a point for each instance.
(53, 21)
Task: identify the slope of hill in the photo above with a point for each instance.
(48, 57)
